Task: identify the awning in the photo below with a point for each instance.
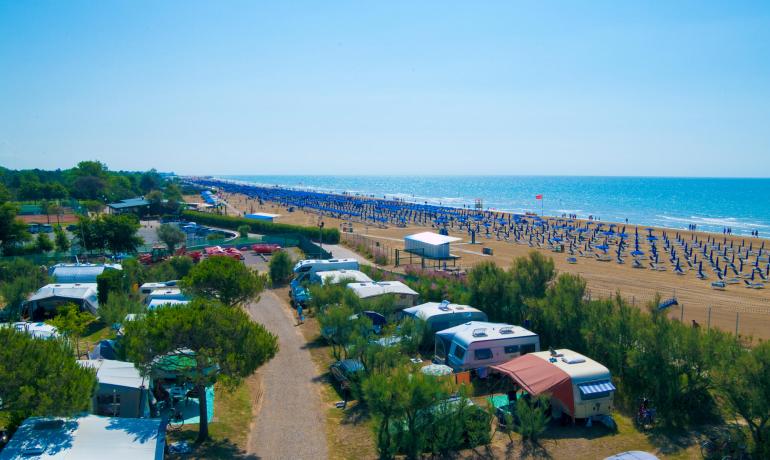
(537, 376)
(596, 387)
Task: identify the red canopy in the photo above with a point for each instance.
(538, 376)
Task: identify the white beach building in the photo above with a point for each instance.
(429, 245)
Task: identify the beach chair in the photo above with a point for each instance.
(637, 264)
(603, 257)
(751, 285)
(718, 285)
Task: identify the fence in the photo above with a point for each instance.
(380, 253)
(742, 319)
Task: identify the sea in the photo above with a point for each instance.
(712, 204)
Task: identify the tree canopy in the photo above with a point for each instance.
(280, 268)
(171, 236)
(40, 377)
(224, 279)
(116, 233)
(221, 343)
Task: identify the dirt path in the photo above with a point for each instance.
(290, 422)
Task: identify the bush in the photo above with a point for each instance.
(243, 231)
(108, 282)
(281, 268)
(531, 419)
(330, 235)
(43, 243)
(117, 307)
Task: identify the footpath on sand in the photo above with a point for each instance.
(290, 423)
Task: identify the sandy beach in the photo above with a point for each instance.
(749, 309)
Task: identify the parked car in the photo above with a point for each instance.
(345, 372)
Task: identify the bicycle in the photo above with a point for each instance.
(645, 415)
(722, 446)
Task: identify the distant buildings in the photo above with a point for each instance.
(137, 206)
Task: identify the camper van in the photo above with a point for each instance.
(337, 276)
(305, 269)
(440, 316)
(165, 294)
(147, 288)
(579, 386)
(478, 344)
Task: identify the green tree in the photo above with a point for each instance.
(117, 233)
(72, 323)
(155, 198)
(39, 377)
(150, 180)
(224, 279)
(43, 243)
(280, 268)
(744, 385)
(401, 401)
(243, 231)
(171, 236)
(531, 419)
(219, 343)
(19, 278)
(116, 308)
(61, 239)
(12, 229)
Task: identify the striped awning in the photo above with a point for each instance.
(596, 387)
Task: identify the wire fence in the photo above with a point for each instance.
(742, 319)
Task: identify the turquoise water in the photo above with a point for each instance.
(712, 204)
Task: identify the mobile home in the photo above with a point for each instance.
(304, 268)
(165, 294)
(579, 386)
(404, 295)
(337, 276)
(440, 316)
(478, 344)
(147, 288)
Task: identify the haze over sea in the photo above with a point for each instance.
(712, 204)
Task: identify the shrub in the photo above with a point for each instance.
(531, 419)
(116, 308)
(243, 231)
(280, 268)
(330, 235)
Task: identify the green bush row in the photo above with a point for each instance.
(330, 235)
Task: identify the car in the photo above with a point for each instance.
(72, 227)
(345, 372)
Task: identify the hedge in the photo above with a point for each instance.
(330, 235)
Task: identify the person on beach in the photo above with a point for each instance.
(300, 315)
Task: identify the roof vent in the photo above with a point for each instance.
(444, 305)
(480, 332)
(506, 330)
(573, 359)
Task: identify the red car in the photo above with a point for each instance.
(265, 248)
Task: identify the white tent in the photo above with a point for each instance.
(51, 296)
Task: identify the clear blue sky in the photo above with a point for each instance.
(587, 88)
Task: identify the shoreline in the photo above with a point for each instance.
(737, 237)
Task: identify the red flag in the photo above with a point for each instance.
(538, 197)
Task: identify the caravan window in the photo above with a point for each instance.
(511, 349)
(483, 353)
(459, 352)
(527, 348)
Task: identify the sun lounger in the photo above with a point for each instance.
(750, 285)
(603, 257)
(637, 264)
(718, 285)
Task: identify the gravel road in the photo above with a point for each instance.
(290, 422)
